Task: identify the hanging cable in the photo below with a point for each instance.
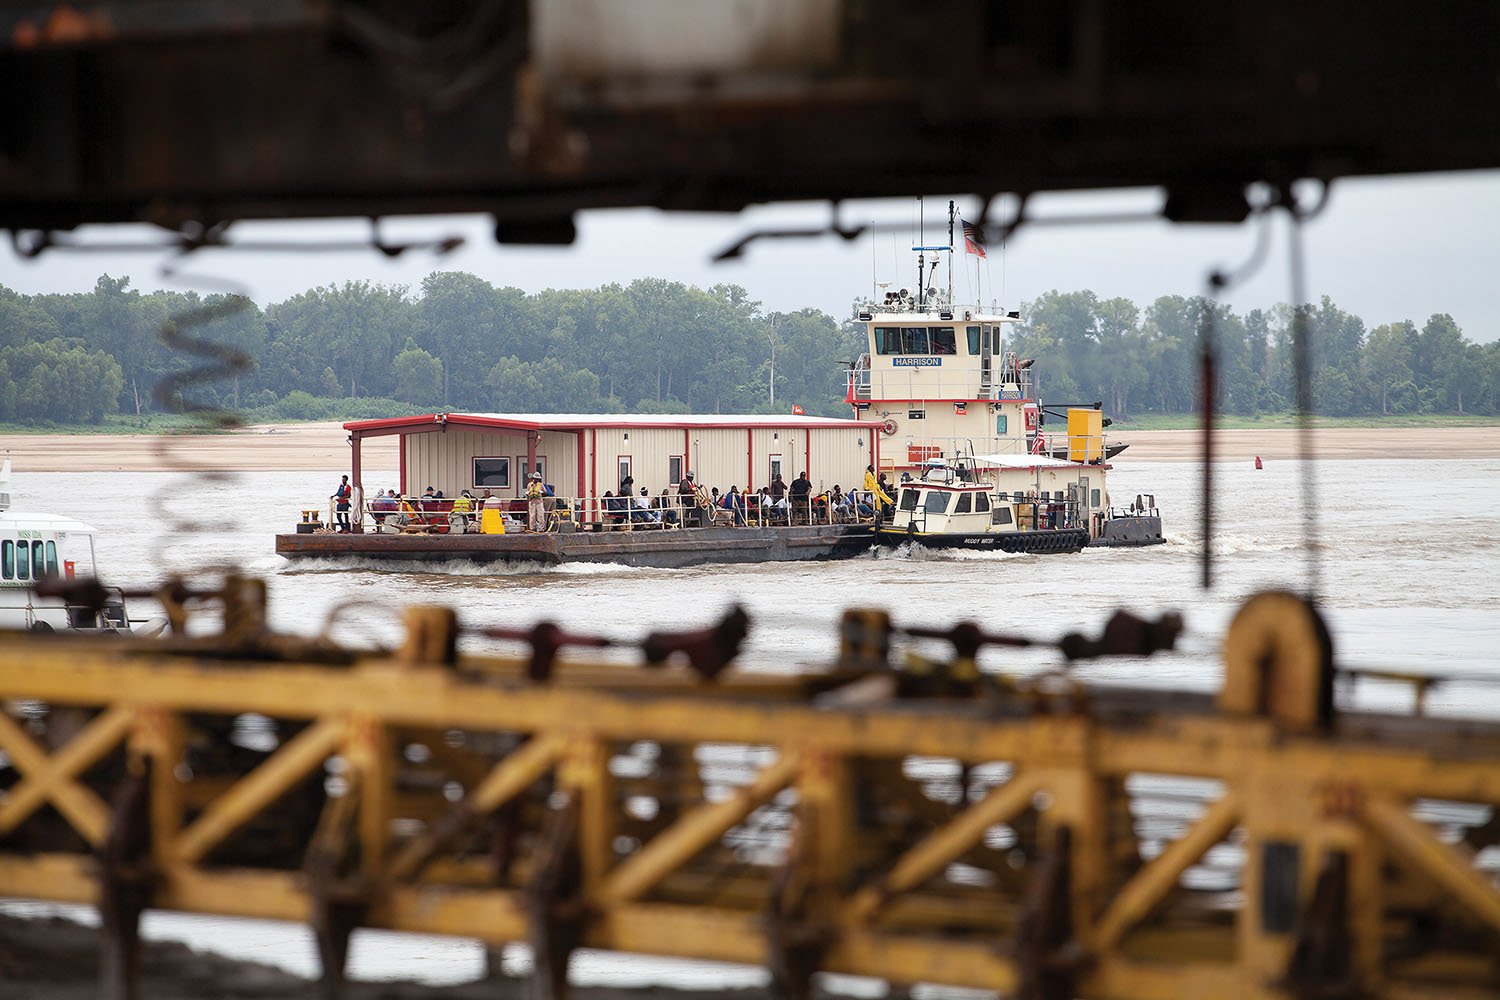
(1302, 365)
(1218, 282)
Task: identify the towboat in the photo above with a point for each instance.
(947, 398)
(36, 548)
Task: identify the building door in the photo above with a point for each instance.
(986, 352)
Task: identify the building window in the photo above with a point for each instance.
(624, 464)
(492, 472)
(1000, 425)
(973, 333)
(775, 467)
(541, 466)
(916, 414)
(8, 559)
(674, 470)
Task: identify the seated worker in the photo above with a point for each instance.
(643, 510)
(406, 514)
(859, 506)
(666, 507)
(838, 505)
(734, 502)
(382, 507)
(463, 510)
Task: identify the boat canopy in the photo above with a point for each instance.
(1023, 462)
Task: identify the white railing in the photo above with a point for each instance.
(864, 385)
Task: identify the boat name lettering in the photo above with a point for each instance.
(28, 534)
(917, 361)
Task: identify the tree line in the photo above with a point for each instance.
(460, 343)
(1148, 361)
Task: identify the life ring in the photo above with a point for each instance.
(888, 426)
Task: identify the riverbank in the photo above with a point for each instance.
(323, 446)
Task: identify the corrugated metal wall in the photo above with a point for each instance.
(649, 448)
(838, 456)
(444, 460)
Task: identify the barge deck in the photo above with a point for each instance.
(652, 549)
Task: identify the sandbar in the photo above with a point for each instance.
(323, 446)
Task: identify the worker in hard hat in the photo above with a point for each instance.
(535, 502)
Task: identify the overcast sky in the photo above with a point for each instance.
(1384, 250)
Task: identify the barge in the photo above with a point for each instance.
(654, 549)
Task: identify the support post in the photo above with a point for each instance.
(356, 476)
(126, 879)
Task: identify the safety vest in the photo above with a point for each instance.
(535, 491)
(461, 504)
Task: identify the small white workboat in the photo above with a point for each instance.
(37, 548)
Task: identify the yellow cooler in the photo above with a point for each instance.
(491, 520)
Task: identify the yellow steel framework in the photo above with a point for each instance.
(997, 836)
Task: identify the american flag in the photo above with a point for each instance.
(973, 238)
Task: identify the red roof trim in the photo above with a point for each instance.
(433, 420)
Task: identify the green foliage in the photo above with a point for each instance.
(657, 346)
(299, 405)
(419, 376)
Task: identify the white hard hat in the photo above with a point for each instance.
(536, 475)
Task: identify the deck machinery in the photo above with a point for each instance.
(895, 816)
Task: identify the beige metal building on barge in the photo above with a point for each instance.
(585, 455)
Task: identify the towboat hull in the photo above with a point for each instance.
(1040, 542)
(655, 549)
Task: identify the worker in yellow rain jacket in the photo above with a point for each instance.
(463, 509)
(872, 486)
(535, 492)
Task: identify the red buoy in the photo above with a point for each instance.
(1257, 461)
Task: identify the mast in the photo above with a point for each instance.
(921, 245)
(950, 254)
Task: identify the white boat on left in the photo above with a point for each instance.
(36, 548)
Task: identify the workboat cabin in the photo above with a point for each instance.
(36, 549)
